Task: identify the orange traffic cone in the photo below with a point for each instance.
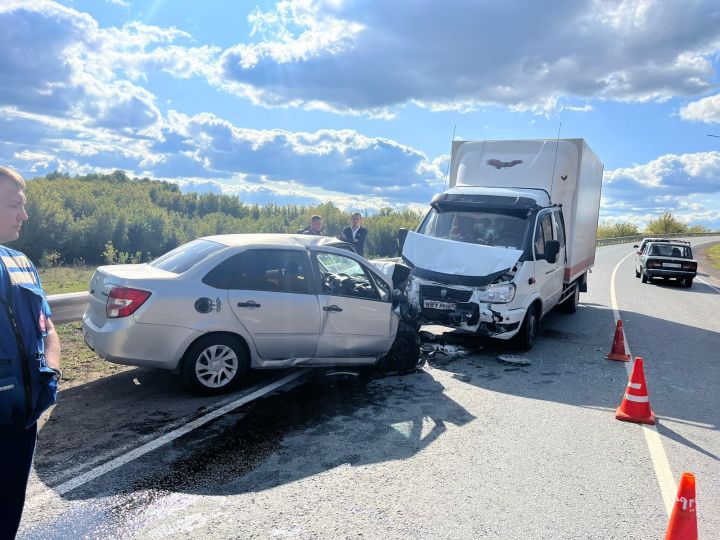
(635, 406)
(618, 346)
(683, 520)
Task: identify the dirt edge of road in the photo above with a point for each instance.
(705, 266)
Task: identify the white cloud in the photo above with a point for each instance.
(687, 185)
(705, 110)
(355, 55)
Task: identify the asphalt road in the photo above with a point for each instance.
(466, 448)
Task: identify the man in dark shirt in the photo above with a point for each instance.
(316, 223)
(356, 234)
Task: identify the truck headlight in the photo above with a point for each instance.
(501, 293)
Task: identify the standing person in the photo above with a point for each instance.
(30, 353)
(356, 234)
(316, 223)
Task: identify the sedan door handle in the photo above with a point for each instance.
(249, 303)
(332, 308)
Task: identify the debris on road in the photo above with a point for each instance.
(513, 360)
(443, 354)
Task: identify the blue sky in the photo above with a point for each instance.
(355, 101)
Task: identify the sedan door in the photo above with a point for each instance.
(356, 309)
(273, 297)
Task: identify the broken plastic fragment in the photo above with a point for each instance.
(514, 360)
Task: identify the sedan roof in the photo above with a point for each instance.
(300, 240)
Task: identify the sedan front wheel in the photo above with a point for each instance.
(215, 364)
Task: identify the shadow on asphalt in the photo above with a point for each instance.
(327, 421)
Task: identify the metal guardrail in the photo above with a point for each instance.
(71, 306)
(68, 307)
(639, 237)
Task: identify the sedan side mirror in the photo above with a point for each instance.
(552, 248)
(401, 236)
(636, 246)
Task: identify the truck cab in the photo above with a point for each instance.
(494, 259)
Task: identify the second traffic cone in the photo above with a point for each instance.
(683, 520)
(635, 406)
(618, 347)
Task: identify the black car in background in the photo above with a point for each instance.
(667, 259)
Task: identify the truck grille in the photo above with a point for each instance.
(434, 292)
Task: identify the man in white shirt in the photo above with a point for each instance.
(356, 234)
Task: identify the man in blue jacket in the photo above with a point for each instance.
(29, 356)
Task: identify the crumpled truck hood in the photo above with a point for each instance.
(453, 258)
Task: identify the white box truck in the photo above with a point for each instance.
(512, 237)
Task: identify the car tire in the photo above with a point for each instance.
(570, 304)
(404, 354)
(687, 282)
(644, 278)
(530, 329)
(222, 352)
(637, 274)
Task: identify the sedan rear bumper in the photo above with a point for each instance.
(124, 341)
(662, 272)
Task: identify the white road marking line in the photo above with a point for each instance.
(168, 437)
(658, 457)
(713, 287)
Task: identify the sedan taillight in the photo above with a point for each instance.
(689, 266)
(654, 264)
(124, 301)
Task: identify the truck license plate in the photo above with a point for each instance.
(437, 304)
(672, 265)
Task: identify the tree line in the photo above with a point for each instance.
(664, 224)
(112, 218)
(100, 218)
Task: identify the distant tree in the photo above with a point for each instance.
(666, 224)
(698, 229)
(615, 230)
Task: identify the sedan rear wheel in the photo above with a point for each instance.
(215, 364)
(688, 282)
(644, 278)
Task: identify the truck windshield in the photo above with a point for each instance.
(488, 229)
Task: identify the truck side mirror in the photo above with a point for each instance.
(401, 236)
(552, 248)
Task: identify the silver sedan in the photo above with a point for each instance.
(217, 306)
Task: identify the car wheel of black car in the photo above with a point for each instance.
(570, 304)
(637, 274)
(644, 278)
(215, 364)
(530, 328)
(688, 282)
(404, 355)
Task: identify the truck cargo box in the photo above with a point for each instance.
(567, 170)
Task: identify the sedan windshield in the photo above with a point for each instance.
(484, 228)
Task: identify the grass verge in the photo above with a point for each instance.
(713, 253)
(65, 279)
(80, 365)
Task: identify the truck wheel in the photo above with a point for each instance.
(215, 364)
(529, 329)
(570, 304)
(404, 355)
